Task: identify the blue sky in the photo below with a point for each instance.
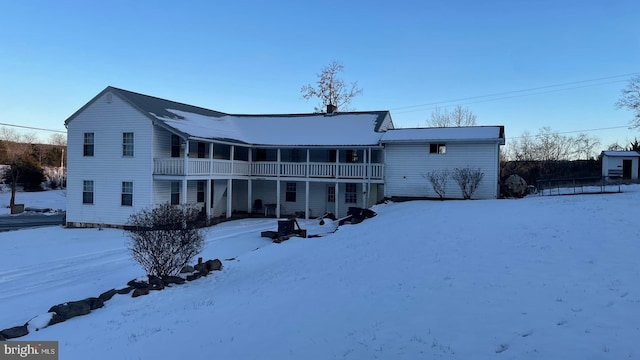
(254, 56)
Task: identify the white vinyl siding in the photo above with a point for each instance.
(406, 167)
(107, 168)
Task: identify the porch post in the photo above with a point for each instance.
(306, 200)
(249, 187)
(211, 158)
(184, 192)
(231, 157)
(229, 196)
(278, 186)
(207, 200)
(337, 198)
(306, 194)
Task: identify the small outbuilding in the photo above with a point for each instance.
(620, 165)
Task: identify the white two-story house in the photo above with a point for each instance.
(128, 151)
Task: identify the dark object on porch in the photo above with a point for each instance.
(257, 205)
(270, 209)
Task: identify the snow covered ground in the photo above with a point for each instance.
(534, 278)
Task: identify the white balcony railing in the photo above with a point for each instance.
(174, 166)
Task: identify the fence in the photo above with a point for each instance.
(578, 185)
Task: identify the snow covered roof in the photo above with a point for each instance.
(338, 129)
(613, 153)
(468, 133)
(288, 130)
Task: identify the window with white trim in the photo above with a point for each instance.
(88, 145)
(350, 193)
(437, 148)
(87, 191)
(331, 193)
(127, 144)
(126, 198)
(175, 193)
(290, 194)
(200, 191)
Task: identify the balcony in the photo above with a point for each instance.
(175, 166)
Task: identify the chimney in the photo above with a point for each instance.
(331, 108)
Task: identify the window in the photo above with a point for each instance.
(437, 148)
(88, 144)
(175, 192)
(87, 192)
(350, 195)
(127, 144)
(175, 146)
(352, 156)
(127, 193)
(201, 150)
(291, 192)
(200, 191)
(331, 193)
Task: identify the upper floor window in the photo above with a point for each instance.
(202, 148)
(88, 144)
(127, 193)
(175, 145)
(127, 144)
(437, 148)
(87, 191)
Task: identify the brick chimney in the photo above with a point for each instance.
(331, 108)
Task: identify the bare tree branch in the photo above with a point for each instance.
(330, 89)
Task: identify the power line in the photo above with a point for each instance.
(521, 91)
(33, 128)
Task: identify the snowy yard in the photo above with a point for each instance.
(534, 278)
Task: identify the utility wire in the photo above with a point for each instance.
(33, 128)
(520, 91)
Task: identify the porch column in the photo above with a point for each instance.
(185, 171)
(306, 200)
(249, 186)
(231, 157)
(278, 186)
(207, 200)
(337, 198)
(183, 195)
(306, 194)
(229, 196)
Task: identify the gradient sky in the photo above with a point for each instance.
(254, 56)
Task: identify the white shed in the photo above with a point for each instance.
(412, 153)
(620, 164)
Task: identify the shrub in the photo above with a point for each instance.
(468, 180)
(438, 180)
(165, 238)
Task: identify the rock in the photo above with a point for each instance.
(155, 283)
(136, 284)
(14, 332)
(2, 338)
(94, 302)
(107, 295)
(56, 319)
(167, 280)
(515, 186)
(72, 308)
(200, 267)
(194, 276)
(125, 291)
(187, 269)
(214, 265)
(140, 292)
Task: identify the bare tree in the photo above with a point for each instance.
(459, 116)
(330, 89)
(438, 180)
(630, 100)
(615, 147)
(18, 150)
(165, 238)
(58, 139)
(468, 180)
(585, 146)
